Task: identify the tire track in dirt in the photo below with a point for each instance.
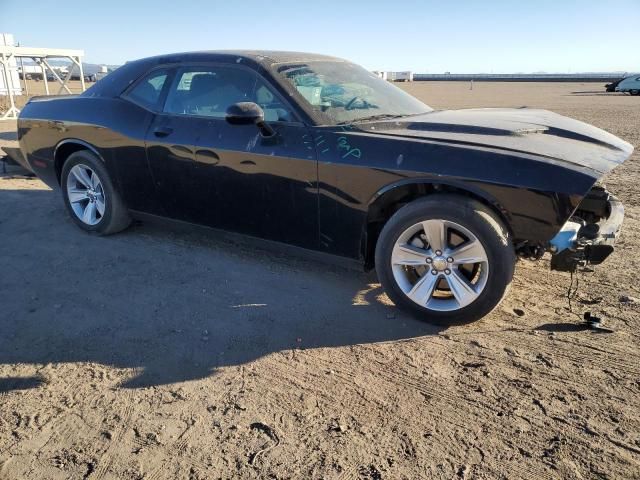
(464, 407)
(105, 461)
(469, 410)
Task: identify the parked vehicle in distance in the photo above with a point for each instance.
(611, 87)
(316, 152)
(400, 76)
(630, 84)
(94, 77)
(102, 72)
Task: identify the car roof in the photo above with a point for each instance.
(259, 56)
(114, 83)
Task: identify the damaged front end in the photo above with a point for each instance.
(589, 236)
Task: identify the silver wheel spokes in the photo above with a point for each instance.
(440, 265)
(86, 194)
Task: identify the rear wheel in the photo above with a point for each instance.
(447, 258)
(89, 195)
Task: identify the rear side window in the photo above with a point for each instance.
(146, 92)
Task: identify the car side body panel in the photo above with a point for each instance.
(114, 128)
(532, 167)
(535, 198)
(230, 177)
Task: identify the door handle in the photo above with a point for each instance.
(162, 131)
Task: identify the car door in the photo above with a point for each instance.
(233, 177)
(134, 113)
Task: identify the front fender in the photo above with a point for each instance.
(436, 184)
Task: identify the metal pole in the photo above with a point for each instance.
(57, 77)
(24, 77)
(78, 62)
(44, 76)
(13, 111)
(81, 73)
(4, 82)
(66, 79)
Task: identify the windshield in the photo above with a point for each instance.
(343, 92)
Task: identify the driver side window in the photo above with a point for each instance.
(209, 91)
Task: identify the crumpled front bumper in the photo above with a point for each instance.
(580, 243)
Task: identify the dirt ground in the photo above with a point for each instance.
(162, 354)
(37, 87)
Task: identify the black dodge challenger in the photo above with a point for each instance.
(316, 152)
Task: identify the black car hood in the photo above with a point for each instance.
(544, 134)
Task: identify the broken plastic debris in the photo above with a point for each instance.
(593, 321)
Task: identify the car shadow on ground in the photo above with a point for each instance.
(172, 305)
(9, 136)
(571, 327)
(598, 93)
(20, 383)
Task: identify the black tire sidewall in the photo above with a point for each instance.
(474, 216)
(92, 161)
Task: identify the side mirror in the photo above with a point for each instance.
(244, 113)
(247, 113)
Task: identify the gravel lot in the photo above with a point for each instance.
(158, 353)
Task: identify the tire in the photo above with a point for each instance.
(110, 213)
(634, 92)
(467, 223)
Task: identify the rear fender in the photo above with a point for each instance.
(68, 146)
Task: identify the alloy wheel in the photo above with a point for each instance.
(86, 194)
(440, 265)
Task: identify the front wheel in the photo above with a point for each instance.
(448, 258)
(634, 92)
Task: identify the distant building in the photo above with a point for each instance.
(394, 76)
(380, 74)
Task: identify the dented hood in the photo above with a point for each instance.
(544, 134)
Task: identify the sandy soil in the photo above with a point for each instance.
(37, 87)
(160, 354)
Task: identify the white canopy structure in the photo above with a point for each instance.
(8, 57)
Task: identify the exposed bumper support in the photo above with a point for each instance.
(16, 156)
(580, 243)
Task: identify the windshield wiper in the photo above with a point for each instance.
(380, 116)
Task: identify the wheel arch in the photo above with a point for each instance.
(67, 147)
(386, 201)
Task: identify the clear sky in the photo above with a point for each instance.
(463, 36)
